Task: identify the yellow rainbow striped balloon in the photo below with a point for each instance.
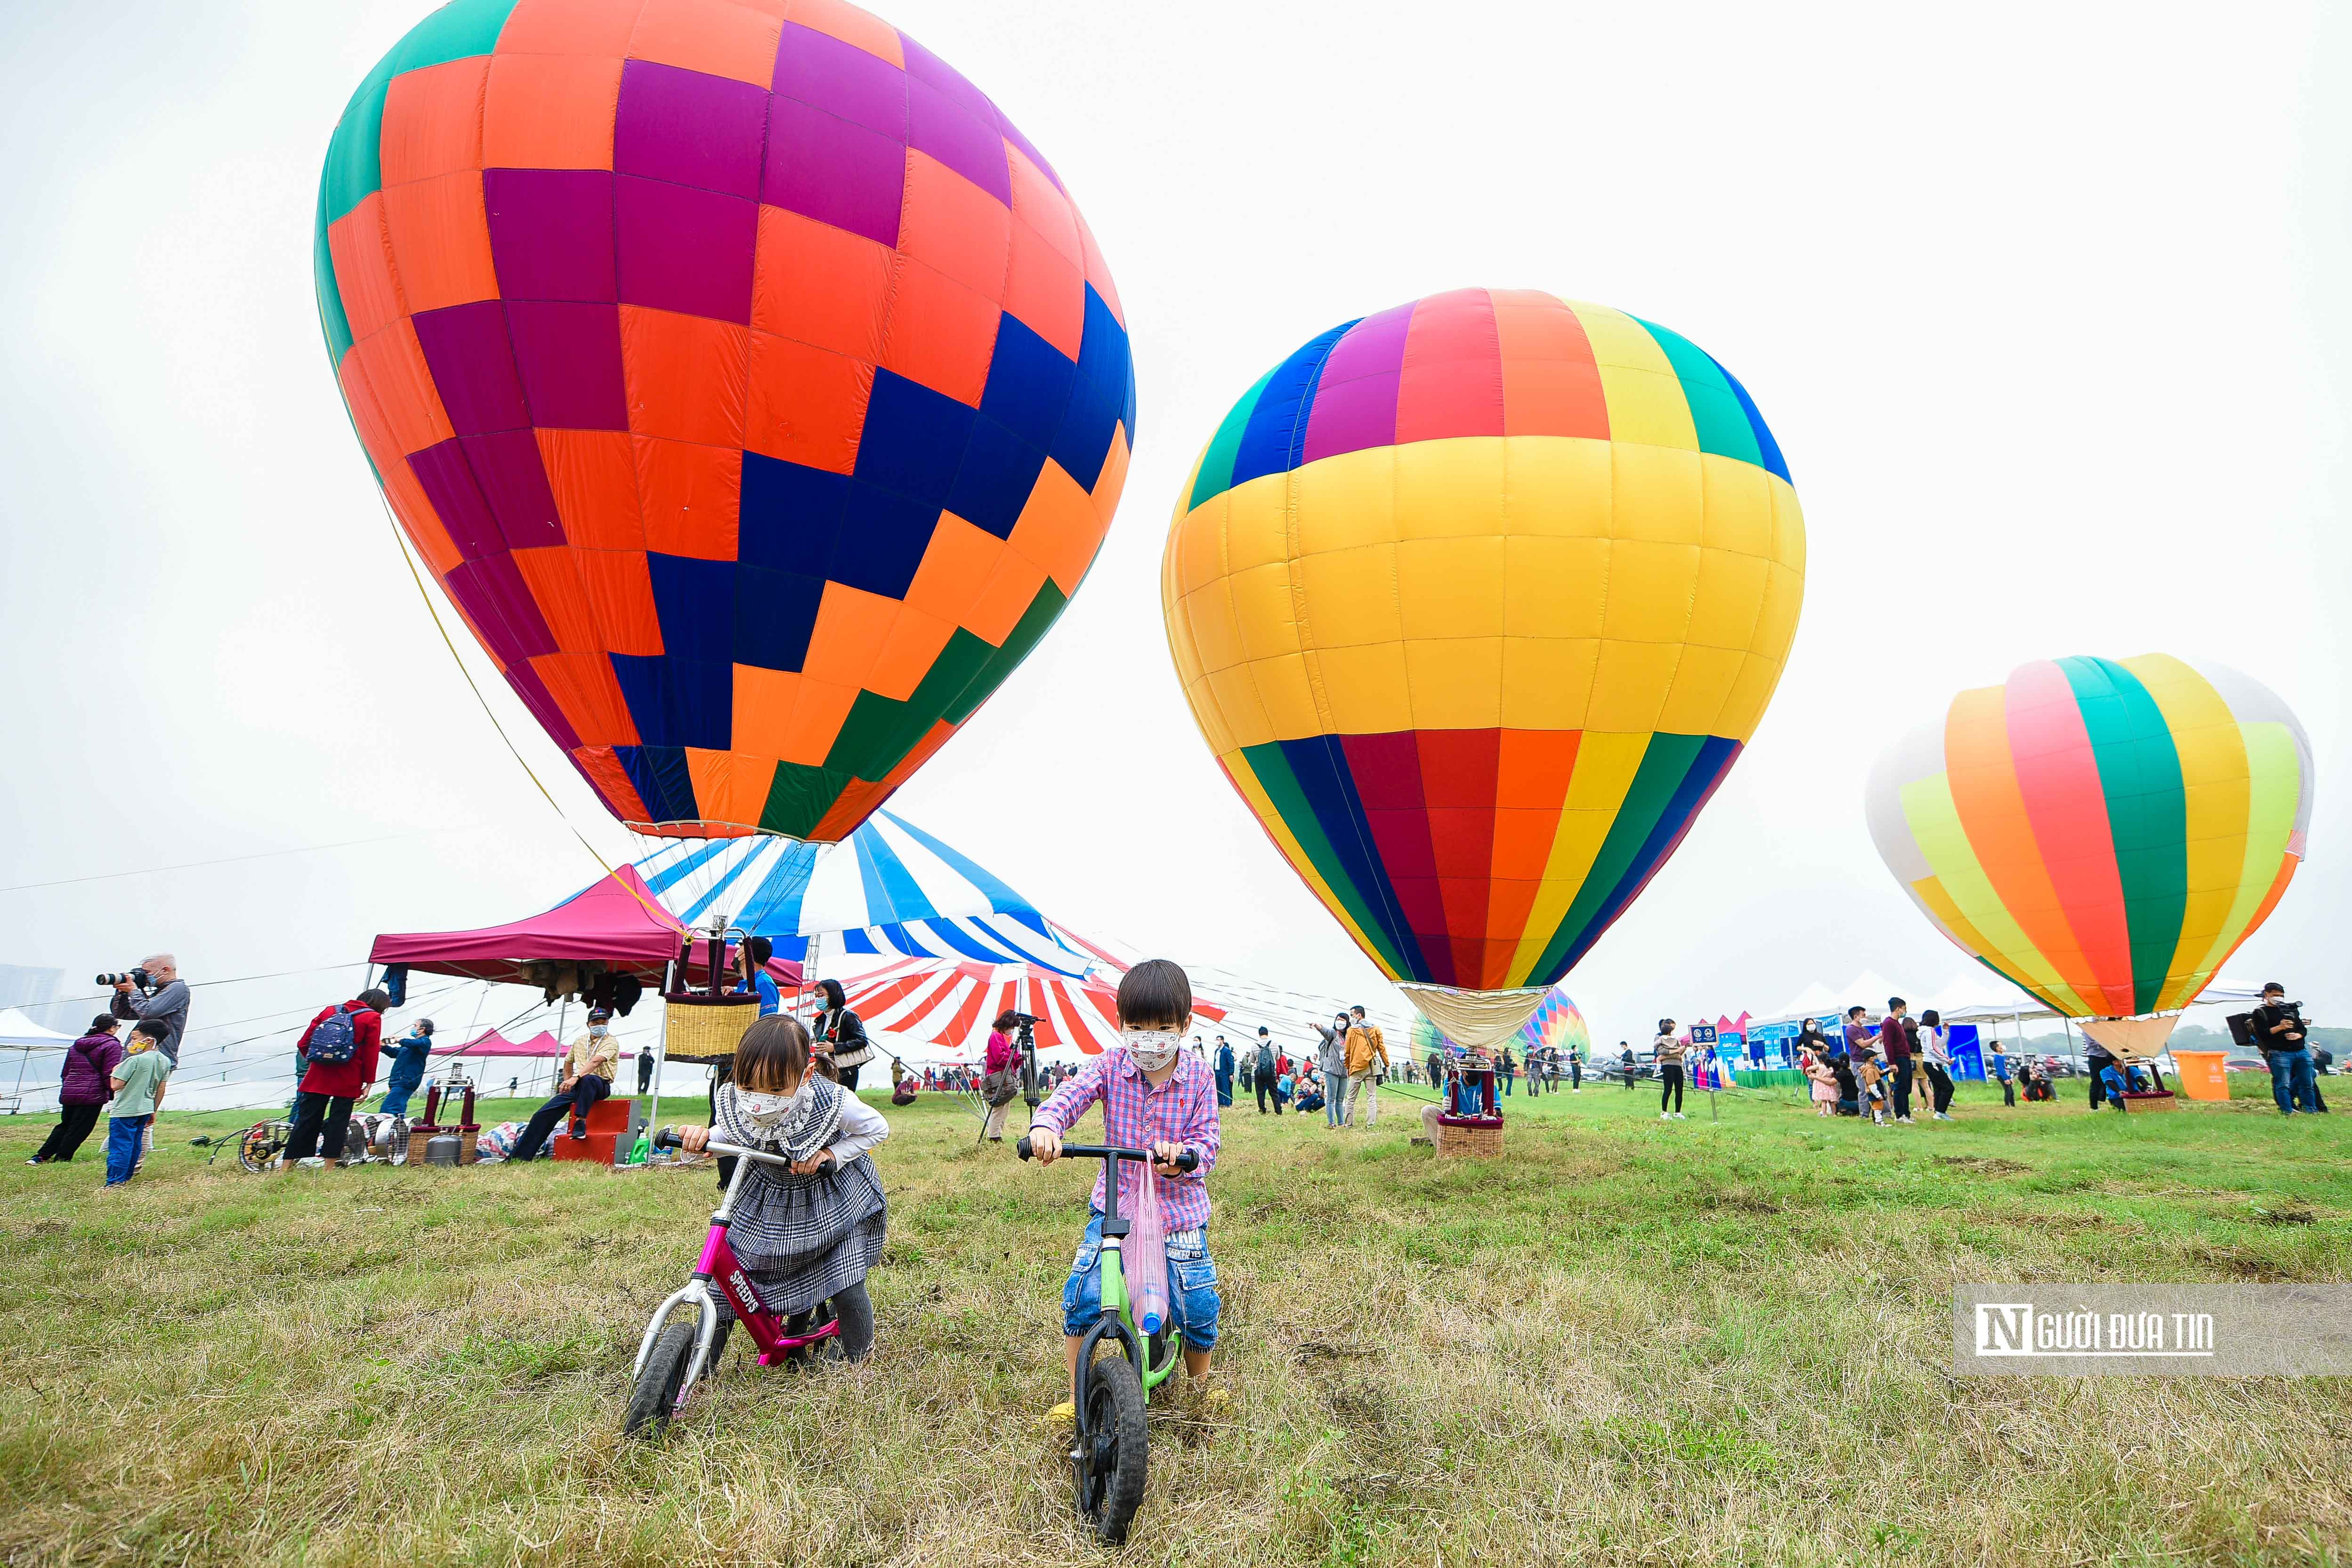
(1476, 601)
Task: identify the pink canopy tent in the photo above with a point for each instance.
(615, 920)
(490, 1043)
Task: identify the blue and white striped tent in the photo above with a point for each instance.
(890, 890)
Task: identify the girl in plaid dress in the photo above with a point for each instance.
(806, 1235)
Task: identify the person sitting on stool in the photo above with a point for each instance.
(587, 1078)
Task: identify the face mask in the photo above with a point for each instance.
(763, 1109)
(597, 1030)
(1151, 1048)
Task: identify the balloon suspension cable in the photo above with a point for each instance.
(400, 543)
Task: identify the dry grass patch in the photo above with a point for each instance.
(1628, 1342)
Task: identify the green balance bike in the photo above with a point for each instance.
(1108, 1459)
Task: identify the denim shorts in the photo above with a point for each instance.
(1191, 1285)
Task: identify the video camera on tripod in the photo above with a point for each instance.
(1024, 1042)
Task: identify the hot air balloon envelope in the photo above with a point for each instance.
(2103, 833)
(1477, 600)
(752, 386)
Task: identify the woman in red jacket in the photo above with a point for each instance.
(322, 1110)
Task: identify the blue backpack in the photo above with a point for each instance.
(334, 1041)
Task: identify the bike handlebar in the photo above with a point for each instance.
(1186, 1160)
(667, 1137)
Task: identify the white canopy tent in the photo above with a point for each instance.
(26, 1036)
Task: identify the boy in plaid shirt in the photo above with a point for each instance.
(1158, 1096)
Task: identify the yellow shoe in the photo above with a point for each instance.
(1066, 1411)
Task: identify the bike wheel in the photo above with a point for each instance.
(654, 1400)
(1107, 1466)
(259, 1146)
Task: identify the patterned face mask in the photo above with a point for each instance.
(765, 1110)
(1151, 1048)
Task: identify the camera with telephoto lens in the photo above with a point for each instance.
(1024, 1020)
(139, 977)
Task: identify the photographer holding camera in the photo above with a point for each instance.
(154, 991)
(2277, 1027)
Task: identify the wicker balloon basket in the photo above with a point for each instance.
(1476, 1143)
(705, 1029)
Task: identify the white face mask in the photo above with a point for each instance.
(1151, 1048)
(762, 1108)
(597, 1030)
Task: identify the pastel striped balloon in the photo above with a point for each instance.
(2103, 832)
(1476, 601)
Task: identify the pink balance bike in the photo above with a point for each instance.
(676, 1351)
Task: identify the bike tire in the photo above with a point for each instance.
(654, 1398)
(257, 1147)
(1108, 1463)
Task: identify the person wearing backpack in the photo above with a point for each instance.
(1263, 1075)
(341, 1047)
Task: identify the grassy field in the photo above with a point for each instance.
(1636, 1342)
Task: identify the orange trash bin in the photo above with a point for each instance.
(2203, 1075)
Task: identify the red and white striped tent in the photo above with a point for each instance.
(952, 1003)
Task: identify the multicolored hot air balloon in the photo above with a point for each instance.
(1557, 1024)
(752, 387)
(2103, 833)
(1477, 600)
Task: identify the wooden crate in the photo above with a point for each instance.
(612, 1125)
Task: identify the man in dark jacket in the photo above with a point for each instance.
(1262, 1072)
(83, 1091)
(410, 1054)
(1895, 1045)
(2278, 1029)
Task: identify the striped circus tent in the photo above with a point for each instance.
(889, 890)
(952, 1005)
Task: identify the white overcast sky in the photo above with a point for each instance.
(2046, 305)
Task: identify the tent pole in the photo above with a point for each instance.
(661, 1060)
(23, 1055)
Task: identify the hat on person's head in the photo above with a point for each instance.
(1262, 1029)
(600, 1015)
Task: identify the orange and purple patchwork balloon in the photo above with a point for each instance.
(752, 385)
